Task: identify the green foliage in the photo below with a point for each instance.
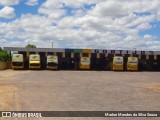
(4, 56)
(30, 46)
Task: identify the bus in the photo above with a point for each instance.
(117, 63)
(34, 61)
(132, 63)
(17, 61)
(52, 62)
(84, 63)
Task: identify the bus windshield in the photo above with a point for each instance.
(132, 60)
(17, 58)
(52, 58)
(118, 60)
(34, 58)
(85, 60)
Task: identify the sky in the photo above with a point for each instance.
(95, 24)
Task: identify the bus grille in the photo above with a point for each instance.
(17, 63)
(52, 64)
(34, 64)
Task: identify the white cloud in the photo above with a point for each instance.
(110, 9)
(32, 2)
(117, 8)
(76, 3)
(144, 26)
(9, 2)
(148, 36)
(52, 9)
(158, 15)
(7, 12)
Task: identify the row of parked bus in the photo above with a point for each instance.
(84, 62)
(34, 61)
(118, 63)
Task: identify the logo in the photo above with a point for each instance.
(133, 58)
(6, 114)
(118, 58)
(51, 57)
(34, 57)
(85, 59)
(17, 56)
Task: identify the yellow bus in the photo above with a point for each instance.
(117, 63)
(84, 63)
(34, 61)
(132, 63)
(52, 62)
(17, 61)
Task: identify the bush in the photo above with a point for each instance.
(4, 56)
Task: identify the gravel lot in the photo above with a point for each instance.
(79, 91)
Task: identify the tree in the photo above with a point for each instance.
(30, 46)
(4, 55)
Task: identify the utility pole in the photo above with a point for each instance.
(52, 44)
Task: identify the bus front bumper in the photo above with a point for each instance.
(84, 67)
(52, 67)
(17, 67)
(132, 68)
(117, 67)
(34, 67)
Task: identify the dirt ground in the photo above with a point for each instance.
(79, 91)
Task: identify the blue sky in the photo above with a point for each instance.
(106, 24)
(22, 8)
(155, 30)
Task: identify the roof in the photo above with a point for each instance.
(21, 49)
(33, 49)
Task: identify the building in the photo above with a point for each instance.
(100, 59)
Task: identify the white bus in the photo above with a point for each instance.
(118, 63)
(34, 61)
(84, 63)
(132, 63)
(52, 62)
(17, 61)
